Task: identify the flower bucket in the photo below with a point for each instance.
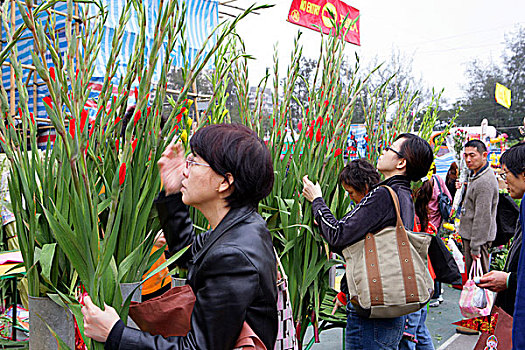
(44, 312)
(177, 282)
(126, 289)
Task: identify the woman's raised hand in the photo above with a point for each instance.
(171, 165)
(311, 191)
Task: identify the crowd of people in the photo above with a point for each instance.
(232, 266)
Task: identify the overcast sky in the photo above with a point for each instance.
(440, 36)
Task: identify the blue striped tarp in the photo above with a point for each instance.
(201, 18)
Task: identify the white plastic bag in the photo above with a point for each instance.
(458, 257)
(475, 301)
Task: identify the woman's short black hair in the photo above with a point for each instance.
(418, 155)
(236, 149)
(514, 158)
(359, 174)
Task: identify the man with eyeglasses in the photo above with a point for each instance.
(477, 226)
(510, 283)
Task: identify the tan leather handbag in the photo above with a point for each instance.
(387, 271)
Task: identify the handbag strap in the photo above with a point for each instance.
(439, 185)
(405, 255)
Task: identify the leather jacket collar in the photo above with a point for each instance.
(232, 217)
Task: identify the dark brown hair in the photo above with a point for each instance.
(418, 155)
(236, 149)
(359, 174)
(422, 198)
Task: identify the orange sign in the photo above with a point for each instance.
(315, 14)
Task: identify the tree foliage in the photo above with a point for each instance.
(480, 89)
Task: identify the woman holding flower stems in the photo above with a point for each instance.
(407, 159)
(231, 267)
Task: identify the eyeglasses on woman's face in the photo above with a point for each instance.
(190, 161)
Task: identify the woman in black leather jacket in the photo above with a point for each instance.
(231, 267)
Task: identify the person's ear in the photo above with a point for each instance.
(485, 154)
(226, 185)
(401, 164)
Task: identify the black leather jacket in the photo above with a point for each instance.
(232, 271)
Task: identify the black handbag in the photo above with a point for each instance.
(444, 265)
(444, 203)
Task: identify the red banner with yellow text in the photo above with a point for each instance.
(311, 13)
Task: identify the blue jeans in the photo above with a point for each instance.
(372, 333)
(415, 326)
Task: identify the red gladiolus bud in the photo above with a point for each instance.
(117, 119)
(99, 110)
(322, 94)
(32, 119)
(179, 117)
(307, 111)
(72, 127)
(300, 125)
(337, 152)
(122, 174)
(117, 143)
(136, 93)
(87, 146)
(99, 158)
(2, 139)
(76, 74)
(83, 118)
(310, 132)
(318, 135)
(326, 103)
(319, 121)
(322, 141)
(175, 128)
(47, 100)
(52, 73)
(274, 122)
(92, 123)
(136, 118)
(148, 111)
(183, 110)
(134, 144)
(278, 133)
(20, 112)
